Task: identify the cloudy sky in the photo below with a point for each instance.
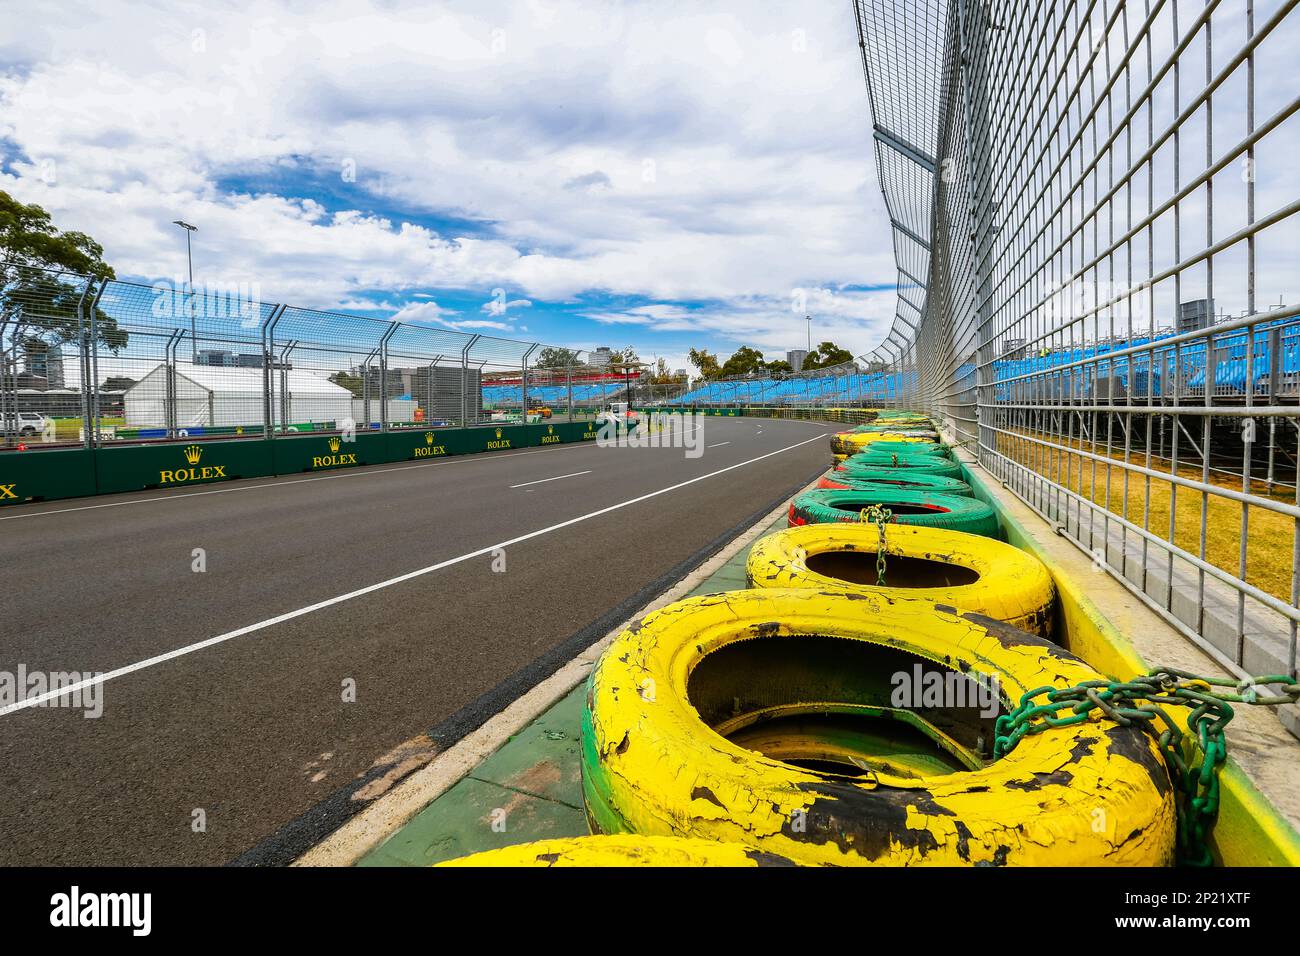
(664, 175)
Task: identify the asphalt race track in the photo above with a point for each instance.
(251, 728)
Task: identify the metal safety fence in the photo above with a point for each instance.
(1094, 218)
(90, 362)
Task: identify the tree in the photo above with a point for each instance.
(349, 381)
(827, 355)
(779, 366)
(39, 305)
(552, 357)
(624, 356)
(744, 361)
(706, 362)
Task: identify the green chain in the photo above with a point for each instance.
(881, 516)
(1193, 759)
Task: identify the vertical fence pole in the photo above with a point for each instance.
(268, 359)
(365, 388)
(169, 387)
(523, 382)
(83, 362)
(383, 376)
(94, 364)
(284, 384)
(464, 381)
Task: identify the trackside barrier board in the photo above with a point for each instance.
(421, 444)
(78, 472)
(328, 452)
(497, 437)
(46, 475)
(133, 467)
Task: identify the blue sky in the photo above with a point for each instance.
(665, 176)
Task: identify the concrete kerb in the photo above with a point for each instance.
(386, 815)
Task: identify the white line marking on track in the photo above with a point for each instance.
(542, 481)
(718, 445)
(371, 588)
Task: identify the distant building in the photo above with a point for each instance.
(1012, 348)
(43, 365)
(1196, 314)
(435, 389)
(795, 357)
(600, 358)
(216, 357)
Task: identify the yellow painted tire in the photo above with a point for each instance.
(856, 441)
(1095, 794)
(621, 850)
(946, 567)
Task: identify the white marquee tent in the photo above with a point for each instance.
(214, 396)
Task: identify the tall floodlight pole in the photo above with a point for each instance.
(809, 318)
(189, 258)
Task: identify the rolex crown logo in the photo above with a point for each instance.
(428, 438)
(498, 433)
(550, 429)
(193, 453)
(335, 444)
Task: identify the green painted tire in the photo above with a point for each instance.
(920, 508)
(921, 464)
(884, 447)
(894, 479)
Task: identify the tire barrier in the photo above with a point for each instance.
(792, 721)
(919, 464)
(887, 454)
(966, 571)
(847, 443)
(621, 850)
(925, 509)
(885, 479)
(910, 448)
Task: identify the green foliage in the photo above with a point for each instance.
(352, 383)
(744, 361)
(553, 357)
(706, 362)
(827, 355)
(624, 356)
(38, 306)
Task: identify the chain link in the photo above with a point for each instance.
(881, 516)
(1193, 759)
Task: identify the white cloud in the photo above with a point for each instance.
(705, 157)
(427, 311)
(500, 305)
(484, 324)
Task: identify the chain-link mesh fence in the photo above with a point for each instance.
(84, 361)
(1100, 201)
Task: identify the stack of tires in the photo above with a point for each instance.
(841, 709)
